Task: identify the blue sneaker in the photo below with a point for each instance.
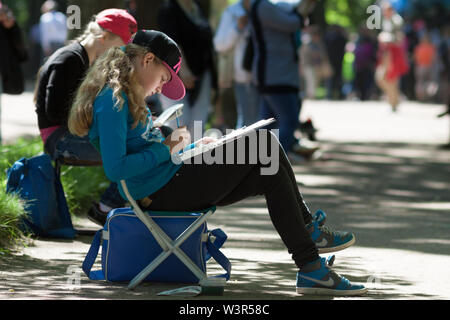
(317, 278)
(320, 217)
(328, 240)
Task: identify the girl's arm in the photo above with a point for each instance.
(112, 129)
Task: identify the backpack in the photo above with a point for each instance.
(34, 180)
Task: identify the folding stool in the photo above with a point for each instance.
(168, 245)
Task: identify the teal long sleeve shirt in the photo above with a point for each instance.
(136, 155)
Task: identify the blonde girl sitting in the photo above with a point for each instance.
(109, 108)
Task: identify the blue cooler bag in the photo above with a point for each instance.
(128, 247)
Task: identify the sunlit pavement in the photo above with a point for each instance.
(383, 176)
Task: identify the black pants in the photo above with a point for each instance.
(198, 186)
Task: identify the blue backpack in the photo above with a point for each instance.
(34, 180)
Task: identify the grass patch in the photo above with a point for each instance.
(81, 186)
(12, 210)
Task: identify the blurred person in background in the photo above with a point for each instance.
(424, 60)
(34, 43)
(335, 41)
(444, 53)
(365, 59)
(224, 115)
(233, 34)
(315, 66)
(408, 81)
(392, 62)
(13, 52)
(52, 27)
(275, 69)
(131, 7)
(185, 22)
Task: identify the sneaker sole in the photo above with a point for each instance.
(331, 292)
(338, 248)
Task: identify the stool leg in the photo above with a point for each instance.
(173, 247)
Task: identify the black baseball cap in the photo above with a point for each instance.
(167, 50)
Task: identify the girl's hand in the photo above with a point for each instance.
(178, 140)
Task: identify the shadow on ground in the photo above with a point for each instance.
(392, 196)
(34, 278)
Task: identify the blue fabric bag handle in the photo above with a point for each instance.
(212, 251)
(91, 257)
(14, 174)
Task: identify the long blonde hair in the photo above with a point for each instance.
(91, 29)
(115, 68)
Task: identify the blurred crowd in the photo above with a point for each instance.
(353, 66)
(265, 57)
(406, 59)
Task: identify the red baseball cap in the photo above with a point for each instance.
(117, 21)
(167, 50)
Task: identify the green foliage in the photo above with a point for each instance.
(81, 186)
(348, 73)
(12, 208)
(22, 148)
(11, 212)
(20, 9)
(347, 13)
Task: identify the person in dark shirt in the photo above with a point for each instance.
(58, 80)
(13, 52)
(181, 19)
(335, 41)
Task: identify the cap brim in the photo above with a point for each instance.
(174, 89)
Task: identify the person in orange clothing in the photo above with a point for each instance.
(424, 57)
(392, 63)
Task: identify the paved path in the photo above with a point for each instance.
(18, 118)
(387, 180)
